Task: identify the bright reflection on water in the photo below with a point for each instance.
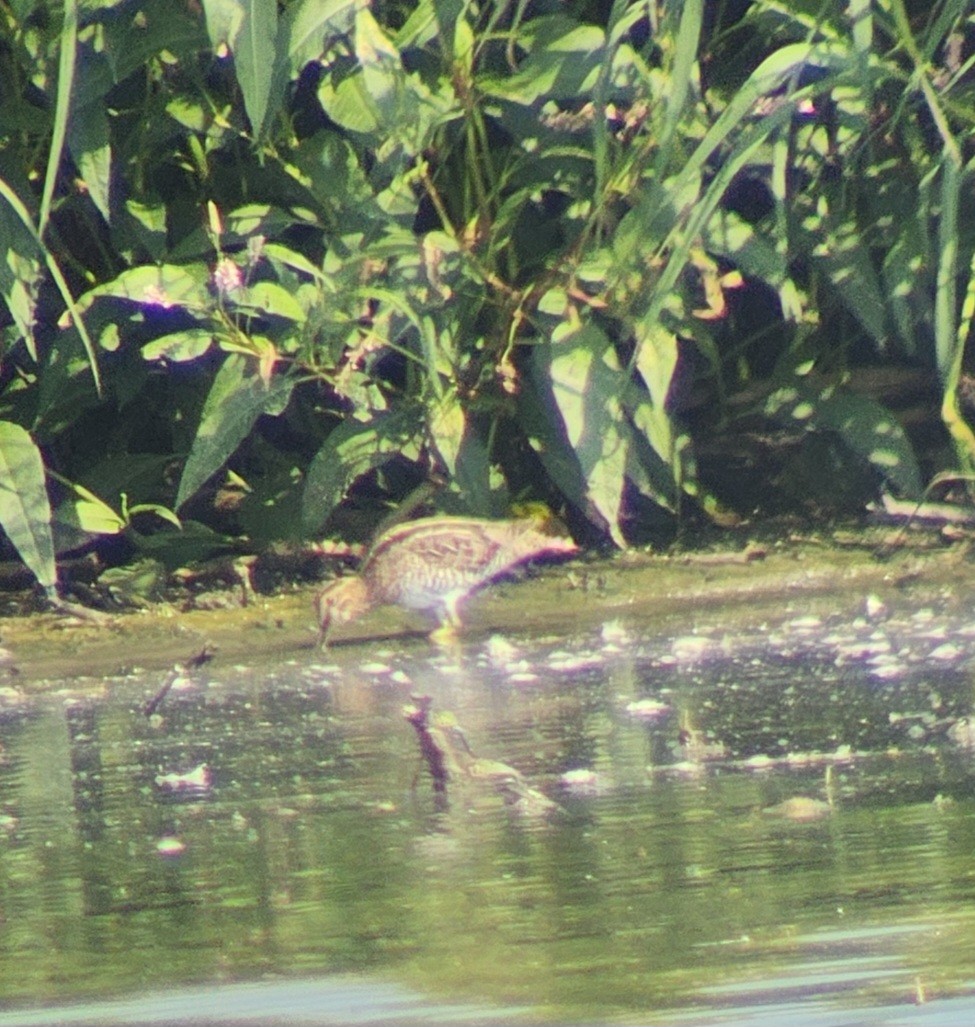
(745, 828)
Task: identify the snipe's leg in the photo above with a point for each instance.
(449, 628)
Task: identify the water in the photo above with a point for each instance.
(689, 830)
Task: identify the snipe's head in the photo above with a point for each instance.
(339, 603)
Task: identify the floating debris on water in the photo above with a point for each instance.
(196, 780)
(170, 846)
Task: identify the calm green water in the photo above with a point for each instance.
(678, 876)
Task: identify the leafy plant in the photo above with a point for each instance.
(300, 249)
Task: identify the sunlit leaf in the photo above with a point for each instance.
(165, 286)
(565, 60)
(271, 298)
(656, 360)
(350, 450)
(862, 425)
(756, 255)
(585, 384)
(179, 346)
(20, 272)
(237, 398)
(81, 516)
(89, 142)
(248, 28)
(25, 511)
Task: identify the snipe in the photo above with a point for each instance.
(433, 565)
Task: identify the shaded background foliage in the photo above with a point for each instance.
(267, 262)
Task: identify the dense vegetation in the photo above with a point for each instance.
(261, 260)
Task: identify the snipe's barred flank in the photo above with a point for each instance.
(434, 565)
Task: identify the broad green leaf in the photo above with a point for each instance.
(248, 28)
(587, 383)
(23, 215)
(446, 425)
(134, 42)
(93, 513)
(310, 26)
(564, 62)
(473, 471)
(91, 516)
(237, 398)
(541, 423)
(460, 445)
(271, 298)
(160, 511)
(25, 511)
(380, 99)
(656, 360)
(80, 517)
(291, 258)
(65, 390)
(951, 413)
(147, 223)
(863, 425)
(94, 157)
(193, 116)
(368, 98)
(836, 247)
(350, 450)
(87, 136)
(754, 254)
(165, 286)
(908, 278)
(20, 272)
(654, 476)
(179, 346)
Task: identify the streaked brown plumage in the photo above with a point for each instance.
(433, 564)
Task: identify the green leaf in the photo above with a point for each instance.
(87, 136)
(165, 286)
(237, 398)
(73, 314)
(946, 290)
(160, 511)
(863, 425)
(309, 26)
(656, 361)
(382, 100)
(25, 511)
(351, 449)
(146, 223)
(581, 379)
(836, 246)
(179, 346)
(248, 28)
(80, 517)
(565, 62)
(62, 111)
(729, 235)
(271, 298)
(91, 514)
(20, 273)
(462, 448)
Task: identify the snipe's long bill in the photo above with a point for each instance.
(434, 565)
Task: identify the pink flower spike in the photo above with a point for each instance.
(227, 276)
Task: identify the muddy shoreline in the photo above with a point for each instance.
(740, 587)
